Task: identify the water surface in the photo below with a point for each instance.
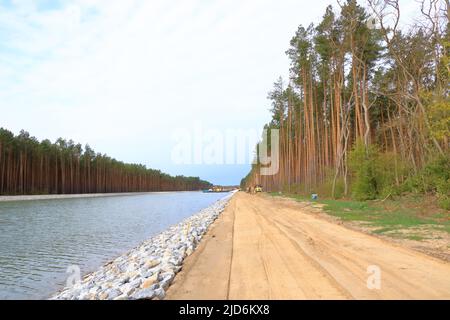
(40, 239)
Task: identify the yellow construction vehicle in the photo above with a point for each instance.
(258, 188)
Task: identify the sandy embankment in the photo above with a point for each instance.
(266, 248)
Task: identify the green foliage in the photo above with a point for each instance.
(363, 165)
(440, 119)
(326, 188)
(339, 191)
(437, 174)
(444, 203)
(438, 113)
(391, 169)
(375, 174)
(434, 178)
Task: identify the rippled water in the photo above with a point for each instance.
(40, 239)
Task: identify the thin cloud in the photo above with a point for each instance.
(111, 72)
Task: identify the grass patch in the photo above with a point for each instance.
(297, 197)
(414, 237)
(386, 217)
(442, 216)
(349, 210)
(383, 230)
(446, 228)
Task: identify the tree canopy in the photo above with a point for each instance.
(28, 166)
(359, 81)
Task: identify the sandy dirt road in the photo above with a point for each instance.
(269, 248)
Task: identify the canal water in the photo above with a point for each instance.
(41, 240)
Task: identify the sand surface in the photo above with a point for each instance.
(267, 248)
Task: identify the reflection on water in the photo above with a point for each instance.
(40, 239)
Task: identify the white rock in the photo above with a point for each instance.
(154, 263)
(159, 293)
(144, 294)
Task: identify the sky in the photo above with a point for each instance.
(125, 76)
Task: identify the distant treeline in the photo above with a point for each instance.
(28, 166)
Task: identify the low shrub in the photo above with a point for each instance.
(363, 167)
